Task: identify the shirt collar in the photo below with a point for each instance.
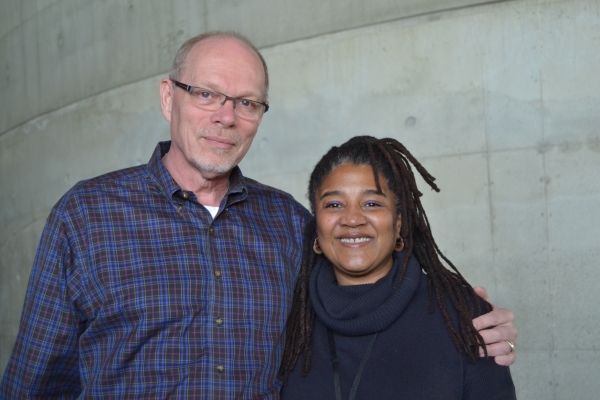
(237, 183)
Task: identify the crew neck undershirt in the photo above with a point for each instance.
(212, 210)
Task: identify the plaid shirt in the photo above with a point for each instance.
(137, 292)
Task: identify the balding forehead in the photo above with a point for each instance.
(187, 47)
(228, 47)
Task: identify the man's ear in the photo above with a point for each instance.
(166, 98)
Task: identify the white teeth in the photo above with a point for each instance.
(355, 240)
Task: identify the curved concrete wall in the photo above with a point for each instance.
(499, 101)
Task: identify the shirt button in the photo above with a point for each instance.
(218, 273)
(185, 195)
(179, 208)
(219, 321)
(212, 231)
(220, 368)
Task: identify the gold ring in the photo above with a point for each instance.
(512, 346)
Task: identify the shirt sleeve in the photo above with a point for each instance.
(44, 362)
(486, 380)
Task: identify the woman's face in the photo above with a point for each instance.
(357, 227)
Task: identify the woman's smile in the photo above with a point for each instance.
(355, 240)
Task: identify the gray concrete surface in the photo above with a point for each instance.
(499, 100)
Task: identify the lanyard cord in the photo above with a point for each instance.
(336, 370)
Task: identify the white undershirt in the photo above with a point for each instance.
(212, 210)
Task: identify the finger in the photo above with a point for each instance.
(498, 349)
(481, 292)
(499, 334)
(506, 360)
(498, 316)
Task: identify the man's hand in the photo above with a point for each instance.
(497, 329)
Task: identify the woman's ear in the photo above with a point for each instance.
(316, 247)
(399, 242)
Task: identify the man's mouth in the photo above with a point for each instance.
(220, 142)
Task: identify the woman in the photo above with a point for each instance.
(376, 315)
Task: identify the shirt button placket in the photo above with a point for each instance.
(218, 320)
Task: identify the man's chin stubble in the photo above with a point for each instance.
(216, 169)
(227, 164)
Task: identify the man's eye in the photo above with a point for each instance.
(247, 103)
(205, 95)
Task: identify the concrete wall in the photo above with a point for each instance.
(499, 100)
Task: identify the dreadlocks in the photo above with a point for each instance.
(389, 158)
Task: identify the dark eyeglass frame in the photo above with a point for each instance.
(190, 90)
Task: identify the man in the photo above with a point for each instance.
(174, 279)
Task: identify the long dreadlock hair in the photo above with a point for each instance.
(389, 158)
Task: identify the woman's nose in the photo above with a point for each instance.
(353, 216)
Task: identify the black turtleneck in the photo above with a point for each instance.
(360, 310)
(414, 356)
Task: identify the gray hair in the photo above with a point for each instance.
(184, 50)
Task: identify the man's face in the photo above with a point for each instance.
(213, 142)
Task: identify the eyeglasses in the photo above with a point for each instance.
(211, 100)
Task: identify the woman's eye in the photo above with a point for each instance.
(332, 205)
(373, 204)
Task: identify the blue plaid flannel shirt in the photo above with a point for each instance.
(136, 292)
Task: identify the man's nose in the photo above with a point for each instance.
(226, 113)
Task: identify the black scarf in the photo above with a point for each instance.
(360, 310)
